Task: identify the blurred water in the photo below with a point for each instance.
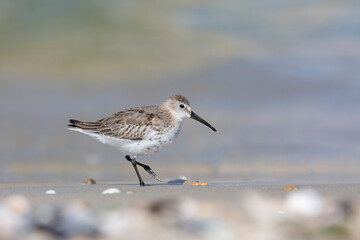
(286, 112)
(279, 80)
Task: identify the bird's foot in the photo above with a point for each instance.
(142, 184)
(151, 172)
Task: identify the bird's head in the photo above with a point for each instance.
(179, 108)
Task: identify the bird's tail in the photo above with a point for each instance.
(86, 126)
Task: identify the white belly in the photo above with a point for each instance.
(153, 142)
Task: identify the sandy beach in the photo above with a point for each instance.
(222, 193)
(172, 211)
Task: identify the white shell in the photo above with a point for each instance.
(306, 202)
(50, 191)
(111, 191)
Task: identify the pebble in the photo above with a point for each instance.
(111, 191)
(182, 177)
(196, 183)
(200, 184)
(287, 188)
(306, 202)
(188, 182)
(15, 215)
(90, 181)
(257, 217)
(50, 191)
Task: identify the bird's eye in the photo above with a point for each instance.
(181, 106)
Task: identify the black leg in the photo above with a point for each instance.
(133, 161)
(149, 170)
(146, 168)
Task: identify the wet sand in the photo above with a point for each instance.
(221, 192)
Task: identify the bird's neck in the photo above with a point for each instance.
(170, 115)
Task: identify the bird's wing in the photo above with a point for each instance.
(132, 124)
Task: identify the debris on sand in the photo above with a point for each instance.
(306, 202)
(195, 183)
(51, 191)
(290, 187)
(298, 214)
(90, 181)
(111, 191)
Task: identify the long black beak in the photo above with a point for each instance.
(199, 119)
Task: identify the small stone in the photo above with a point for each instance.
(129, 192)
(182, 177)
(50, 191)
(305, 202)
(290, 188)
(18, 204)
(188, 182)
(111, 191)
(204, 184)
(198, 184)
(90, 181)
(195, 183)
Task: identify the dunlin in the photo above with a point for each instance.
(142, 130)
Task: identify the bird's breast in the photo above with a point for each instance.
(152, 142)
(163, 136)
